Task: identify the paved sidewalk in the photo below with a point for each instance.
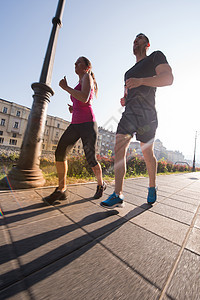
(79, 250)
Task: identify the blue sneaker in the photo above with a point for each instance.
(152, 195)
(113, 201)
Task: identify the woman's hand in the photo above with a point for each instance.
(70, 108)
(63, 83)
(123, 101)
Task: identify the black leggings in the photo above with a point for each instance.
(88, 134)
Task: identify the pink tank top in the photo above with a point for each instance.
(82, 112)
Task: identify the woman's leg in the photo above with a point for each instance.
(88, 134)
(98, 173)
(66, 142)
(61, 167)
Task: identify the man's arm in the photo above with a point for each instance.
(163, 77)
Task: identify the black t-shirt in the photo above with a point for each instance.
(144, 96)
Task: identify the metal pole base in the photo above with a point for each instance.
(23, 179)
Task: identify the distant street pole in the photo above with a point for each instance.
(27, 173)
(193, 168)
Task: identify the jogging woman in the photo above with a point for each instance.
(83, 126)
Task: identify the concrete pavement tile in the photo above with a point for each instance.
(136, 192)
(72, 203)
(179, 204)
(83, 191)
(90, 273)
(167, 189)
(151, 256)
(133, 199)
(184, 199)
(173, 213)
(138, 200)
(130, 210)
(19, 195)
(9, 271)
(185, 283)
(2, 221)
(25, 211)
(45, 241)
(15, 292)
(162, 226)
(133, 184)
(95, 220)
(193, 243)
(197, 223)
(189, 194)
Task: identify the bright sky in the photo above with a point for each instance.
(104, 31)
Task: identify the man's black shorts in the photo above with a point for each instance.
(139, 121)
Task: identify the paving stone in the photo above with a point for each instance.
(15, 292)
(9, 271)
(179, 204)
(45, 241)
(193, 243)
(149, 255)
(25, 210)
(134, 199)
(136, 192)
(185, 283)
(90, 273)
(162, 226)
(173, 213)
(189, 194)
(184, 199)
(130, 210)
(95, 220)
(197, 223)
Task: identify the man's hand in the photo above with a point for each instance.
(134, 82)
(70, 108)
(63, 83)
(123, 101)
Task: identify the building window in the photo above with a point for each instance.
(5, 110)
(13, 142)
(43, 146)
(16, 125)
(1, 132)
(57, 133)
(54, 148)
(58, 125)
(46, 122)
(3, 122)
(18, 113)
(14, 135)
(1, 140)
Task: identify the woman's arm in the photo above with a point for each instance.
(86, 86)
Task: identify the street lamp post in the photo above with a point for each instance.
(193, 167)
(27, 173)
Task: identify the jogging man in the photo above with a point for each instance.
(140, 115)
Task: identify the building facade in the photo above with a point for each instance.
(13, 122)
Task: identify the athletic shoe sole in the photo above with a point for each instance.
(120, 205)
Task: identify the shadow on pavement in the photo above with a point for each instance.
(68, 251)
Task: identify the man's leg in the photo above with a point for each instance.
(121, 145)
(151, 162)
